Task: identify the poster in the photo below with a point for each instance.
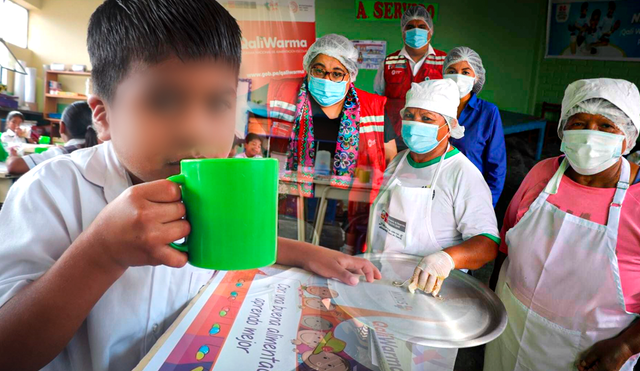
(371, 53)
(275, 37)
(390, 11)
(283, 319)
(598, 30)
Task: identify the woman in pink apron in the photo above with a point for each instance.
(571, 281)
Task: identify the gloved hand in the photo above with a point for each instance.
(431, 272)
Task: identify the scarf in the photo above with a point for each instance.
(302, 147)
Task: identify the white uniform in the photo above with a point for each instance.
(244, 155)
(43, 214)
(36, 159)
(420, 223)
(424, 208)
(380, 84)
(10, 138)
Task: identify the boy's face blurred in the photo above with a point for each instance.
(14, 123)
(167, 112)
(253, 148)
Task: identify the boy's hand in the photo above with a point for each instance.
(137, 226)
(334, 264)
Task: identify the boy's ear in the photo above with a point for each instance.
(100, 120)
(63, 128)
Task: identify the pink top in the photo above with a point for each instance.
(591, 204)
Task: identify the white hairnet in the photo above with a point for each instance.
(617, 100)
(440, 96)
(335, 46)
(463, 53)
(416, 12)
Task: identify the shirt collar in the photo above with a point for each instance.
(100, 166)
(75, 142)
(430, 51)
(473, 101)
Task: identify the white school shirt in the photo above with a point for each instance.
(380, 84)
(606, 24)
(35, 159)
(43, 214)
(244, 155)
(462, 204)
(10, 137)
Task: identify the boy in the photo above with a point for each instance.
(87, 281)
(75, 129)
(14, 133)
(252, 147)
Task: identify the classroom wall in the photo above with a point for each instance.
(57, 33)
(506, 36)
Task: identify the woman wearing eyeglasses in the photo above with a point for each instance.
(329, 114)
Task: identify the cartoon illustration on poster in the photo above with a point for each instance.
(604, 30)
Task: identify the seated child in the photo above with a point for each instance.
(252, 147)
(87, 279)
(14, 134)
(75, 129)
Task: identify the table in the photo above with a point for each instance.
(6, 180)
(281, 318)
(513, 122)
(359, 192)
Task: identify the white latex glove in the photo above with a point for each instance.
(431, 272)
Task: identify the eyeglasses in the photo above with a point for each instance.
(335, 76)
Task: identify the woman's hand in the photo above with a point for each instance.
(431, 272)
(605, 355)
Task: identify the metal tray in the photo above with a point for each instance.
(467, 314)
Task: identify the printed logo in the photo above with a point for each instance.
(372, 142)
(293, 7)
(261, 42)
(271, 5)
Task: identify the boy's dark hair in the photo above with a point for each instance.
(584, 6)
(13, 114)
(595, 14)
(612, 5)
(252, 136)
(124, 33)
(78, 121)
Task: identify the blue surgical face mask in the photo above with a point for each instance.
(416, 37)
(420, 137)
(326, 92)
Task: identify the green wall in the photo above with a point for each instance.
(507, 34)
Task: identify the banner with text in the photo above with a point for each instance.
(373, 10)
(599, 30)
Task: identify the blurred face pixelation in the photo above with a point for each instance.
(170, 111)
(14, 123)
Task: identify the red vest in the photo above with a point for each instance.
(398, 78)
(282, 97)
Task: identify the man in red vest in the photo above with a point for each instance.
(416, 62)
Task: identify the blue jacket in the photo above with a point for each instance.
(483, 142)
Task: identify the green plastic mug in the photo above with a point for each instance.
(232, 206)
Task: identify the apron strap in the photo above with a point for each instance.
(618, 198)
(437, 174)
(554, 183)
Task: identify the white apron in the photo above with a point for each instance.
(560, 285)
(400, 219)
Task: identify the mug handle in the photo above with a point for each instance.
(184, 247)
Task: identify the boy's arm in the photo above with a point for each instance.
(45, 314)
(17, 165)
(325, 262)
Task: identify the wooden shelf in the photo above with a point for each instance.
(71, 73)
(74, 97)
(53, 121)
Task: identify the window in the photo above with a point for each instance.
(14, 23)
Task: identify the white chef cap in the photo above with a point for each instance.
(440, 96)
